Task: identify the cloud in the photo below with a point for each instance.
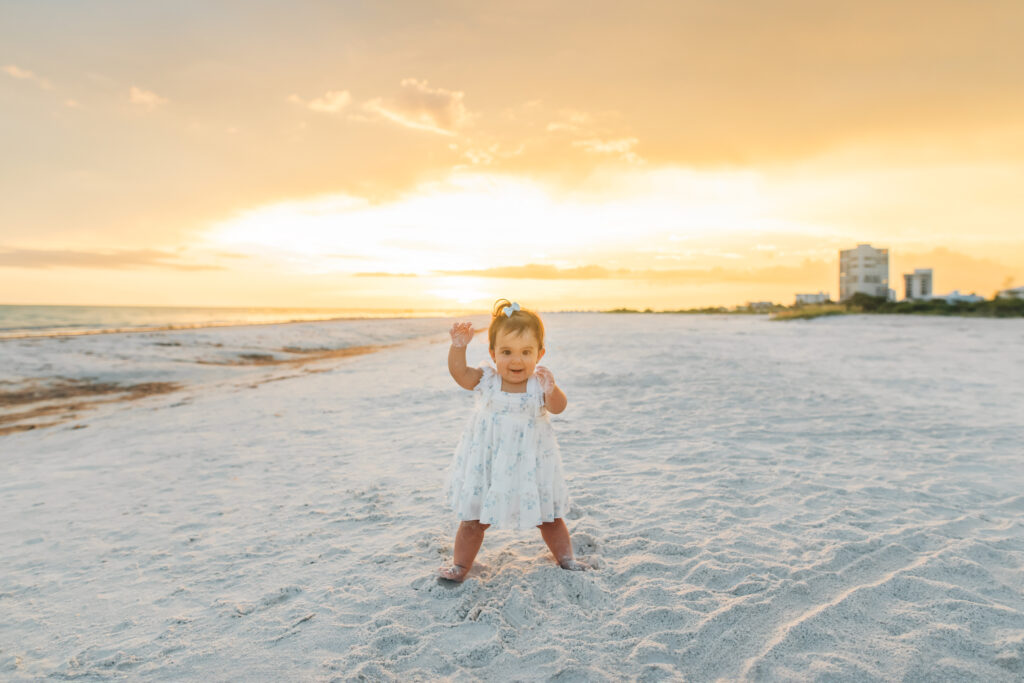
(145, 98)
(623, 147)
(809, 270)
(421, 107)
(533, 271)
(61, 258)
(332, 101)
(379, 274)
(26, 75)
(606, 146)
(486, 151)
(573, 122)
(952, 270)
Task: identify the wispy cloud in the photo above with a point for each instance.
(573, 122)
(26, 75)
(533, 271)
(61, 258)
(331, 102)
(951, 270)
(421, 107)
(775, 274)
(622, 147)
(145, 98)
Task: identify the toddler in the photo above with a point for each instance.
(507, 470)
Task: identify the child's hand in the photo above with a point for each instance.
(546, 379)
(462, 334)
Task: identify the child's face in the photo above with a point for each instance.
(516, 354)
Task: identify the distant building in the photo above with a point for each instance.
(1015, 293)
(955, 297)
(804, 299)
(918, 285)
(760, 305)
(865, 270)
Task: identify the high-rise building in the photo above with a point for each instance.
(864, 269)
(918, 285)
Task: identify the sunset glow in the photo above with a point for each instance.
(431, 158)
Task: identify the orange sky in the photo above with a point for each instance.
(440, 155)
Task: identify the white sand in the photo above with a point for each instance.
(838, 499)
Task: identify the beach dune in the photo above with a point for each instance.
(837, 499)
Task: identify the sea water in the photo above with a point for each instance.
(45, 321)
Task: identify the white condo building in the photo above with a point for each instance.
(1015, 293)
(918, 285)
(864, 269)
(819, 298)
(956, 297)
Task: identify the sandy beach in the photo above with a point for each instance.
(827, 500)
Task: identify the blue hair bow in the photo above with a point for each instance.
(511, 308)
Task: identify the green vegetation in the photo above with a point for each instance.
(862, 303)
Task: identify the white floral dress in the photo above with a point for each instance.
(507, 470)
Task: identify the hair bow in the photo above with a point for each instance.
(511, 308)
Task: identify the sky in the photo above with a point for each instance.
(439, 155)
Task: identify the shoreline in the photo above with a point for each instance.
(198, 326)
(41, 402)
(992, 311)
(782, 313)
(817, 311)
(78, 396)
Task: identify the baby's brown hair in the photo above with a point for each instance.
(520, 320)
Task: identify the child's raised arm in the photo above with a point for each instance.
(554, 398)
(465, 377)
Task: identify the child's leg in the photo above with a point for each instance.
(468, 539)
(556, 535)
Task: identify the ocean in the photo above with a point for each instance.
(47, 321)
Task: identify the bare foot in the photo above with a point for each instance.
(573, 565)
(456, 573)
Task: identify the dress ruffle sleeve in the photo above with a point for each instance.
(486, 382)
